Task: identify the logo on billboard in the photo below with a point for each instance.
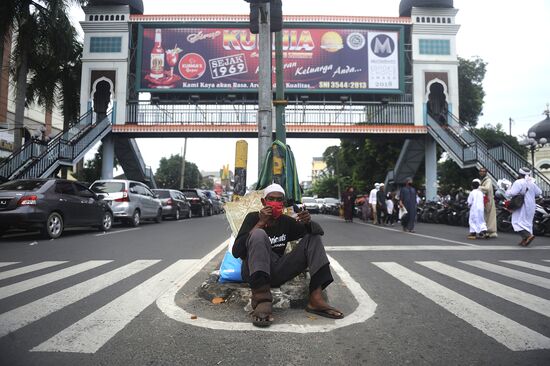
(332, 42)
(192, 66)
(382, 45)
(355, 41)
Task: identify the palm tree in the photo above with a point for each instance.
(41, 31)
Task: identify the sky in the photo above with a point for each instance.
(508, 35)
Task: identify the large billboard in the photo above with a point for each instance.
(316, 60)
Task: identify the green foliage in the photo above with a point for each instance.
(325, 187)
(168, 174)
(452, 177)
(470, 88)
(495, 136)
(360, 163)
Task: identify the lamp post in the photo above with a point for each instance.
(533, 144)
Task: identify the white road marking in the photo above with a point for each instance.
(364, 310)
(26, 314)
(5, 264)
(92, 332)
(117, 231)
(536, 267)
(33, 243)
(512, 273)
(416, 234)
(34, 282)
(359, 248)
(521, 298)
(511, 334)
(28, 269)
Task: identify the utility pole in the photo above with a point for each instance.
(265, 96)
(182, 177)
(280, 101)
(510, 120)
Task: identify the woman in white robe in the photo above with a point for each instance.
(477, 209)
(522, 218)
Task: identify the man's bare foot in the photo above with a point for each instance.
(317, 305)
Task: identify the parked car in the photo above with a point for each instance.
(200, 204)
(174, 203)
(331, 206)
(217, 203)
(321, 204)
(130, 201)
(51, 205)
(310, 204)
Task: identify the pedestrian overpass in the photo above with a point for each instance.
(344, 77)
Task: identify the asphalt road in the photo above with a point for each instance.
(90, 298)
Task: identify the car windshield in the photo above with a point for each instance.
(107, 187)
(191, 194)
(163, 194)
(308, 200)
(22, 185)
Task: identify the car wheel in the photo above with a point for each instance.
(202, 212)
(158, 218)
(53, 227)
(135, 220)
(177, 216)
(106, 221)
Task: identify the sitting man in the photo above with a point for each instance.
(261, 243)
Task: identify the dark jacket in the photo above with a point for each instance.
(282, 230)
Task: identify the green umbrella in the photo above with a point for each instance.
(280, 167)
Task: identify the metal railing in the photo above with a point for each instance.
(501, 162)
(20, 159)
(246, 114)
(59, 149)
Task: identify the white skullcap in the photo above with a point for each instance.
(376, 185)
(273, 188)
(381, 185)
(524, 171)
(476, 180)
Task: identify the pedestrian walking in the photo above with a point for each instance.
(365, 208)
(372, 201)
(478, 228)
(381, 208)
(522, 216)
(407, 199)
(390, 218)
(490, 211)
(348, 198)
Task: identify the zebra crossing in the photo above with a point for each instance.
(94, 330)
(504, 330)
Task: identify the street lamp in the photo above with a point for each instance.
(533, 145)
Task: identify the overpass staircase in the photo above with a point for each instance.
(131, 160)
(36, 159)
(468, 150)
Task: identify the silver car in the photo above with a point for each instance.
(130, 201)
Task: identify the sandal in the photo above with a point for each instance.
(325, 312)
(261, 301)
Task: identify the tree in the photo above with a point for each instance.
(452, 177)
(470, 88)
(326, 187)
(495, 136)
(30, 20)
(169, 172)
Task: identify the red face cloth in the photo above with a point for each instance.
(277, 208)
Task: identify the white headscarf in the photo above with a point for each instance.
(273, 188)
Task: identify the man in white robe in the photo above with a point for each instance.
(522, 218)
(373, 200)
(478, 228)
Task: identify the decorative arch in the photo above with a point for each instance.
(94, 88)
(429, 85)
(543, 162)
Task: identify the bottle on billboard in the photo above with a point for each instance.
(157, 57)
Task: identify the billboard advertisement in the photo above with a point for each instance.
(316, 60)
